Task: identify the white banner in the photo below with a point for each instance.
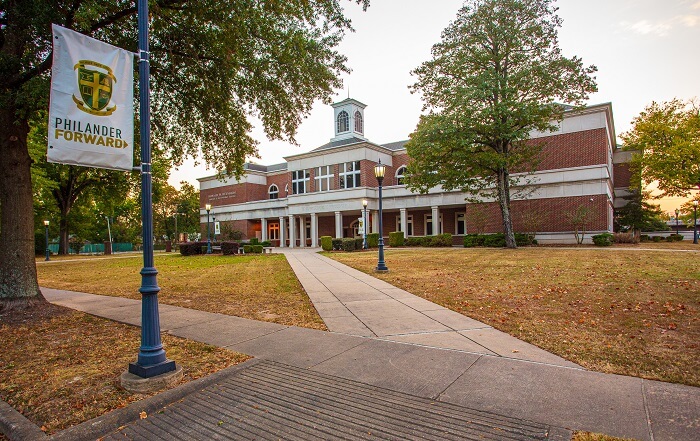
(91, 112)
(217, 228)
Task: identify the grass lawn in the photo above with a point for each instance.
(623, 311)
(60, 367)
(259, 287)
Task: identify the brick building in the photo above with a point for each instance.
(320, 193)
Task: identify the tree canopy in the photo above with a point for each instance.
(496, 75)
(214, 64)
(666, 140)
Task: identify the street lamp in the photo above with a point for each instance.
(379, 171)
(46, 226)
(208, 208)
(364, 224)
(695, 222)
(677, 213)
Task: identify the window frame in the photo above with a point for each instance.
(409, 224)
(425, 225)
(319, 178)
(273, 231)
(276, 193)
(359, 123)
(401, 176)
(464, 220)
(344, 174)
(300, 180)
(343, 121)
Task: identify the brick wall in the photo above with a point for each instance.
(281, 180)
(622, 176)
(326, 226)
(588, 147)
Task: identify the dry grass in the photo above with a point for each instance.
(588, 436)
(60, 367)
(259, 287)
(629, 312)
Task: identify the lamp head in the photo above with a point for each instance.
(379, 170)
(695, 203)
(364, 203)
(677, 211)
(46, 223)
(207, 207)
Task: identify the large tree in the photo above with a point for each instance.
(495, 77)
(665, 139)
(214, 63)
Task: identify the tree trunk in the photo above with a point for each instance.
(63, 234)
(18, 280)
(504, 204)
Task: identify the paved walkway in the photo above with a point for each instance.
(448, 359)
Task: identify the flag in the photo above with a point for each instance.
(91, 109)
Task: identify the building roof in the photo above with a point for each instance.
(339, 143)
(396, 145)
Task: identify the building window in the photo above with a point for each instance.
(350, 174)
(358, 122)
(409, 224)
(273, 191)
(460, 224)
(400, 175)
(343, 122)
(300, 181)
(273, 231)
(429, 225)
(324, 177)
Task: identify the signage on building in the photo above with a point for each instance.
(217, 227)
(360, 226)
(91, 110)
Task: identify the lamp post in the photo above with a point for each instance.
(379, 171)
(46, 227)
(677, 213)
(364, 224)
(208, 208)
(213, 221)
(695, 222)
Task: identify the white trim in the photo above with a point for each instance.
(464, 216)
(409, 225)
(270, 192)
(425, 225)
(328, 178)
(396, 175)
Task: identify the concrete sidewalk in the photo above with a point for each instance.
(554, 396)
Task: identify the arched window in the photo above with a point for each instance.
(400, 175)
(273, 191)
(358, 122)
(343, 122)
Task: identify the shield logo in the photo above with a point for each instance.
(95, 87)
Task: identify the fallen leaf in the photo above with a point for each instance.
(143, 415)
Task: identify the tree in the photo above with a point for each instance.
(639, 214)
(213, 63)
(579, 219)
(493, 79)
(666, 140)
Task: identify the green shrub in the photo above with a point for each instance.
(266, 243)
(358, 243)
(644, 238)
(254, 241)
(522, 239)
(257, 249)
(373, 240)
(228, 248)
(441, 240)
(414, 241)
(348, 244)
(675, 238)
(192, 248)
(247, 248)
(497, 240)
(657, 239)
(396, 239)
(337, 243)
(326, 243)
(474, 240)
(603, 240)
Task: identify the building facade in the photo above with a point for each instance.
(321, 192)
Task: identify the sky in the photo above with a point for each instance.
(645, 50)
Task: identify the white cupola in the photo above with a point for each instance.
(349, 119)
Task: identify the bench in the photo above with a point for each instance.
(267, 250)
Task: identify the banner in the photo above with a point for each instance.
(217, 228)
(91, 112)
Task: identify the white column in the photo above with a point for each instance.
(292, 233)
(314, 230)
(404, 221)
(436, 220)
(338, 224)
(375, 222)
(302, 231)
(263, 229)
(282, 228)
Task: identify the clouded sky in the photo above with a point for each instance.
(645, 50)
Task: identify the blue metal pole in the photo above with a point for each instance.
(381, 266)
(695, 224)
(47, 243)
(364, 227)
(151, 359)
(208, 235)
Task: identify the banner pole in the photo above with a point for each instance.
(151, 357)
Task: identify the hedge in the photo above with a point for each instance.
(674, 238)
(373, 240)
(247, 249)
(257, 249)
(337, 243)
(192, 248)
(359, 242)
(496, 240)
(603, 240)
(228, 248)
(396, 239)
(326, 243)
(348, 244)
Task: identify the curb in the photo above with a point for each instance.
(17, 427)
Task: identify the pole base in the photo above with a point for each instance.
(152, 370)
(381, 270)
(135, 384)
